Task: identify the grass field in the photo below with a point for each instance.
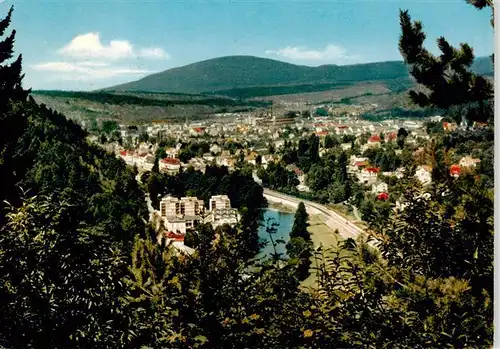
(321, 234)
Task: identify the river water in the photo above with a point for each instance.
(285, 221)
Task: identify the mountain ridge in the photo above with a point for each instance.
(243, 72)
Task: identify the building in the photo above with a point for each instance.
(424, 174)
(391, 137)
(221, 216)
(374, 141)
(179, 215)
(251, 158)
(171, 152)
(197, 131)
(172, 207)
(468, 161)
(379, 187)
(148, 162)
(368, 175)
(455, 171)
(298, 172)
(449, 126)
(170, 165)
(219, 201)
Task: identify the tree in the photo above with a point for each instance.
(156, 166)
(258, 160)
(60, 281)
(402, 134)
(271, 148)
(155, 189)
(447, 78)
(11, 89)
(300, 223)
(12, 116)
(321, 112)
(300, 252)
(108, 126)
(103, 139)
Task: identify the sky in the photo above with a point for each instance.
(87, 45)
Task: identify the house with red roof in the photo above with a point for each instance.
(391, 137)
(300, 174)
(170, 165)
(383, 196)
(449, 126)
(197, 131)
(373, 142)
(368, 175)
(455, 171)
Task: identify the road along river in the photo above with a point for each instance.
(332, 219)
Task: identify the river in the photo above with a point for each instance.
(285, 221)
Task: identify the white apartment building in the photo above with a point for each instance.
(219, 201)
(181, 214)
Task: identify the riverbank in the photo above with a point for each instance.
(275, 206)
(321, 233)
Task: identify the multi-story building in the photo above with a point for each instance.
(219, 201)
(221, 216)
(181, 214)
(186, 206)
(170, 165)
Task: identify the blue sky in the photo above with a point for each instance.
(85, 45)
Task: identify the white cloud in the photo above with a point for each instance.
(89, 46)
(87, 58)
(86, 70)
(332, 53)
(155, 53)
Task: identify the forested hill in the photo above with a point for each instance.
(52, 157)
(237, 72)
(231, 72)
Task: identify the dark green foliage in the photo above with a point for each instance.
(386, 159)
(156, 166)
(12, 117)
(54, 158)
(398, 112)
(11, 89)
(433, 127)
(448, 77)
(299, 248)
(126, 99)
(300, 223)
(202, 236)
(321, 112)
(277, 177)
(402, 134)
(300, 252)
(331, 142)
(191, 150)
(109, 126)
(60, 279)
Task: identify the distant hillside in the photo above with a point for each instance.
(140, 106)
(235, 72)
(483, 66)
(248, 76)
